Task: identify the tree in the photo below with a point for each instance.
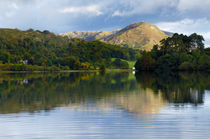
(72, 62)
(186, 66)
(204, 62)
(5, 56)
(181, 43)
(197, 41)
(168, 62)
(145, 62)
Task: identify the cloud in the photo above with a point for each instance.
(142, 6)
(180, 7)
(7, 9)
(117, 13)
(69, 15)
(188, 26)
(193, 5)
(91, 9)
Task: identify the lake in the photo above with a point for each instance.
(105, 105)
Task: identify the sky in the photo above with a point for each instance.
(59, 16)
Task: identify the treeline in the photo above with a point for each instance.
(177, 53)
(28, 50)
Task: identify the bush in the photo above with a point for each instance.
(54, 68)
(85, 65)
(64, 68)
(186, 66)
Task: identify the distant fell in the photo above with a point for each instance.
(141, 35)
(89, 35)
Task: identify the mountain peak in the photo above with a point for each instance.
(140, 26)
(137, 24)
(140, 35)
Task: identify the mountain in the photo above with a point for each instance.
(140, 35)
(137, 35)
(89, 35)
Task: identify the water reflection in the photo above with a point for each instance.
(138, 102)
(177, 88)
(142, 93)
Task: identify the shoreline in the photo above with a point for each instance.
(91, 71)
(72, 71)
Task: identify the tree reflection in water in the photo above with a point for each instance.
(143, 93)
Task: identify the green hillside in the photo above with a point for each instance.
(46, 49)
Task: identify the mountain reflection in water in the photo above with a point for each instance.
(143, 93)
(137, 102)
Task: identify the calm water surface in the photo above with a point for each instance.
(105, 105)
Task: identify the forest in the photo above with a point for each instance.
(177, 53)
(35, 50)
(42, 50)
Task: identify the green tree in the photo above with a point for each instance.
(197, 41)
(145, 62)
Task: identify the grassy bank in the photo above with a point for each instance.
(22, 68)
(130, 63)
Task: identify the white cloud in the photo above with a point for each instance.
(117, 13)
(188, 26)
(91, 9)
